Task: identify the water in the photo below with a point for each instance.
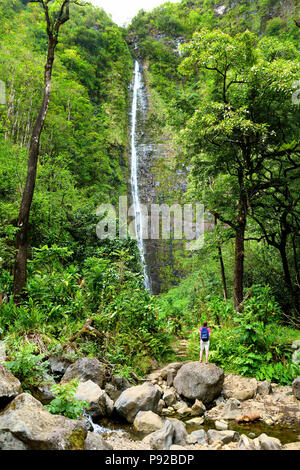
(139, 219)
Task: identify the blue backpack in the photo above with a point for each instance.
(204, 334)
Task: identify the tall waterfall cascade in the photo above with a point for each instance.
(137, 87)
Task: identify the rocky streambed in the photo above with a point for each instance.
(184, 405)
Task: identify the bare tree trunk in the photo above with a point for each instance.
(238, 283)
(20, 270)
(222, 266)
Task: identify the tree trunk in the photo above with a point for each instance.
(238, 283)
(20, 269)
(222, 266)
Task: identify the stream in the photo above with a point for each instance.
(285, 433)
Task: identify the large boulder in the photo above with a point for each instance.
(240, 388)
(10, 386)
(163, 438)
(200, 381)
(25, 423)
(147, 421)
(87, 368)
(100, 404)
(296, 387)
(139, 398)
(173, 432)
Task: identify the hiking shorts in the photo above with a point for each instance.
(204, 344)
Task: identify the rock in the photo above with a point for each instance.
(196, 421)
(121, 383)
(99, 402)
(221, 425)
(296, 344)
(224, 436)
(239, 388)
(26, 420)
(231, 409)
(197, 437)
(169, 397)
(167, 412)
(217, 445)
(170, 377)
(112, 392)
(174, 366)
(245, 443)
(292, 446)
(96, 442)
(296, 388)
(173, 432)
(184, 411)
(200, 381)
(42, 391)
(264, 388)
(181, 434)
(106, 404)
(176, 447)
(87, 368)
(58, 365)
(2, 353)
(163, 438)
(160, 406)
(198, 408)
(10, 386)
(147, 421)
(264, 442)
(139, 398)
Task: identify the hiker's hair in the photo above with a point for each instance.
(205, 323)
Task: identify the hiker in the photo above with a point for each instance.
(204, 340)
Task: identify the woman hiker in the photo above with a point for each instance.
(204, 340)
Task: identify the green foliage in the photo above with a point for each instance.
(65, 403)
(278, 372)
(27, 366)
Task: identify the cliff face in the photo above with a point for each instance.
(159, 183)
(168, 101)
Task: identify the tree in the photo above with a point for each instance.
(244, 132)
(56, 14)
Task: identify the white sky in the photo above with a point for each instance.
(122, 11)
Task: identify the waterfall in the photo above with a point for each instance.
(137, 88)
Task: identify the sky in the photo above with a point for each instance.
(122, 11)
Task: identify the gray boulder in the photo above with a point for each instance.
(58, 365)
(10, 386)
(96, 442)
(147, 421)
(100, 403)
(180, 435)
(172, 433)
(163, 438)
(200, 381)
(87, 368)
(25, 422)
(264, 442)
(296, 387)
(197, 437)
(224, 436)
(139, 398)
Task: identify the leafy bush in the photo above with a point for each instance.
(29, 367)
(64, 402)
